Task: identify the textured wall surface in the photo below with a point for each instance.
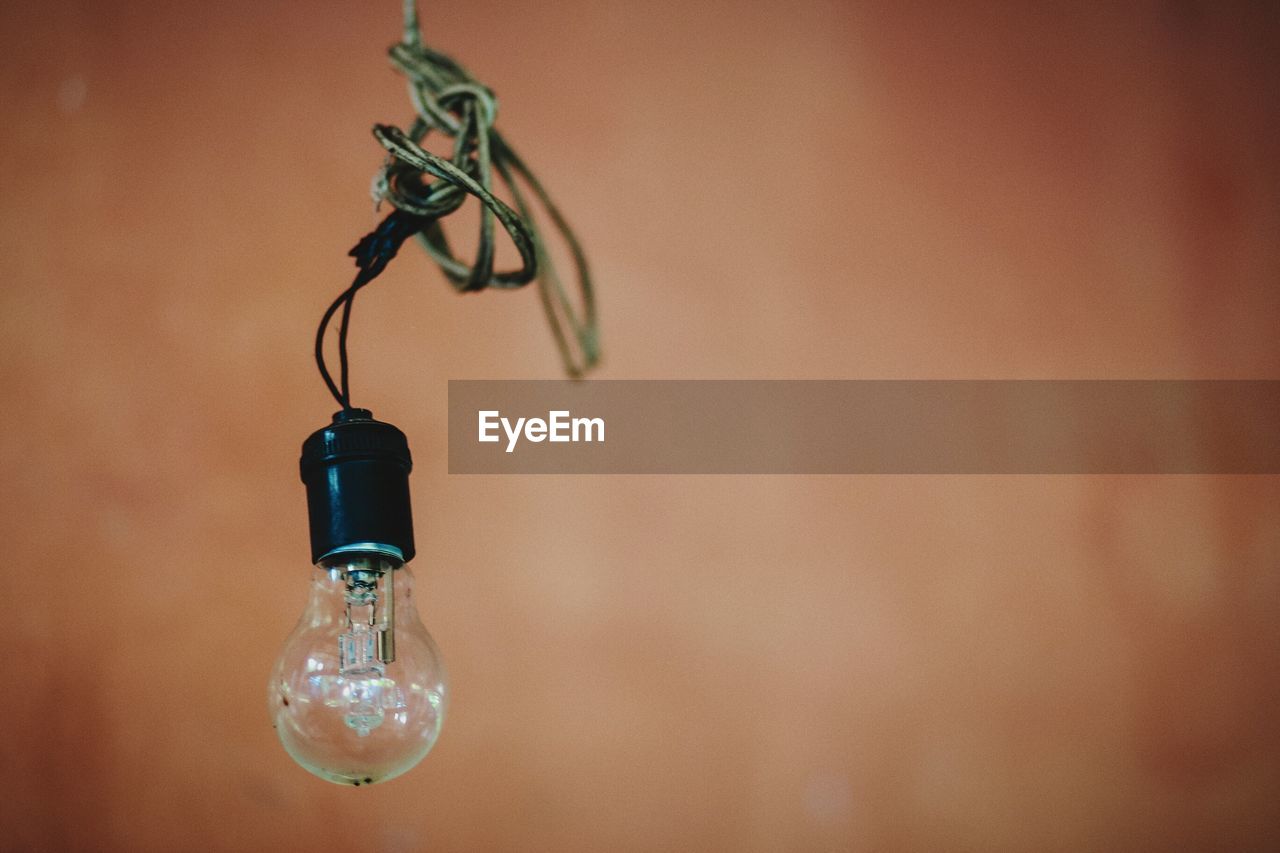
(767, 190)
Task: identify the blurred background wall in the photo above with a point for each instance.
(767, 190)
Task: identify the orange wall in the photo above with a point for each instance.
(767, 190)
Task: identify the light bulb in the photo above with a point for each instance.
(359, 693)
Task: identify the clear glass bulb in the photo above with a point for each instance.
(359, 693)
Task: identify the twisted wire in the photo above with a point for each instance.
(424, 188)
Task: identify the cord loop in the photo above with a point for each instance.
(450, 101)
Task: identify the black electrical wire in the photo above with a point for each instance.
(372, 255)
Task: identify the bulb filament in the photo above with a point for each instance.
(368, 644)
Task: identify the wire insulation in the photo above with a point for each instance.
(425, 188)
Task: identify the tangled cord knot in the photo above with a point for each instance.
(425, 188)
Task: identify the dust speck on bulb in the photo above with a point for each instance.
(359, 694)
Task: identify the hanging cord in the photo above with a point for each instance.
(449, 101)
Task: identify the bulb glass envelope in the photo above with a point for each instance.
(359, 693)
